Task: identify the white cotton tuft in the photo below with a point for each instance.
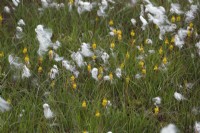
(4, 105)
(21, 22)
(95, 73)
(105, 57)
(78, 58)
(16, 2)
(157, 101)
(26, 72)
(133, 21)
(118, 72)
(69, 67)
(179, 38)
(179, 96)
(15, 62)
(197, 127)
(19, 32)
(44, 38)
(190, 15)
(53, 72)
(85, 50)
(102, 7)
(171, 128)
(144, 22)
(48, 114)
(84, 6)
(6, 9)
(176, 8)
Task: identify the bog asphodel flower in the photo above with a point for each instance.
(84, 104)
(94, 46)
(141, 49)
(132, 33)
(104, 102)
(97, 114)
(144, 71)
(171, 47)
(111, 76)
(1, 18)
(127, 55)
(141, 64)
(164, 60)
(94, 57)
(74, 86)
(112, 45)
(50, 54)
(89, 68)
(173, 19)
(26, 59)
(120, 37)
(122, 65)
(111, 23)
(71, 2)
(155, 68)
(160, 51)
(127, 79)
(166, 41)
(99, 76)
(100, 70)
(1, 54)
(72, 78)
(39, 69)
(25, 50)
(178, 18)
(156, 110)
(173, 39)
(40, 60)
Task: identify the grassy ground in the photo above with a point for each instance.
(132, 108)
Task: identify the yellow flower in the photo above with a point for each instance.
(127, 79)
(25, 50)
(99, 76)
(97, 114)
(127, 55)
(132, 33)
(114, 31)
(166, 41)
(94, 57)
(104, 102)
(40, 69)
(144, 71)
(40, 60)
(72, 78)
(111, 23)
(189, 33)
(89, 68)
(119, 37)
(1, 54)
(160, 51)
(155, 68)
(119, 32)
(112, 45)
(171, 47)
(141, 64)
(71, 2)
(156, 110)
(122, 66)
(52, 83)
(173, 39)
(26, 59)
(141, 49)
(84, 104)
(74, 86)
(173, 19)
(178, 18)
(111, 76)
(50, 54)
(1, 18)
(100, 69)
(85, 131)
(191, 25)
(94, 46)
(164, 60)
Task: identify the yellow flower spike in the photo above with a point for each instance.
(114, 31)
(178, 18)
(85, 131)
(52, 83)
(191, 25)
(141, 64)
(99, 76)
(155, 68)
(119, 32)
(74, 86)
(25, 50)
(127, 79)
(122, 66)
(89, 68)
(8, 101)
(144, 71)
(97, 114)
(111, 76)
(40, 60)
(26, 59)
(166, 41)
(72, 78)
(173, 19)
(94, 46)
(112, 45)
(171, 47)
(127, 55)
(156, 110)
(119, 37)
(94, 57)
(1, 54)
(189, 33)
(1, 18)
(84, 104)
(173, 39)
(111, 23)
(133, 42)
(50, 54)
(100, 69)
(71, 2)
(141, 49)
(164, 60)
(39, 69)
(132, 33)
(104, 102)
(160, 51)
